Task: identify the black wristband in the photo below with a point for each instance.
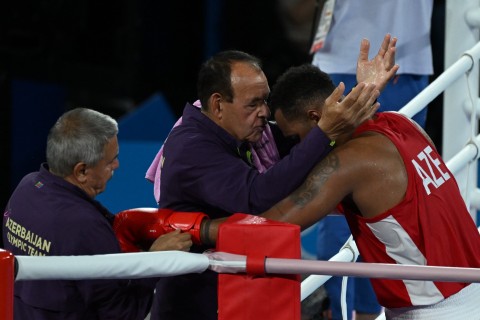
(205, 232)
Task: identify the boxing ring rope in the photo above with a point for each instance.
(111, 266)
(172, 263)
(443, 81)
(348, 253)
(470, 152)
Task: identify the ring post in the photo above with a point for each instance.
(7, 265)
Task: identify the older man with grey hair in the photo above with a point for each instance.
(53, 212)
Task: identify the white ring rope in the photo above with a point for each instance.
(110, 266)
(468, 154)
(348, 253)
(442, 82)
(463, 65)
(169, 263)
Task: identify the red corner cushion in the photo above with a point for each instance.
(245, 296)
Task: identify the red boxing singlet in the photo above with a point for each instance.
(431, 226)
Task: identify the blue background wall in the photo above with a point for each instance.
(141, 134)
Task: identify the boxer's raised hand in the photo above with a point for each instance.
(382, 67)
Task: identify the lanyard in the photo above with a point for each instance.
(323, 26)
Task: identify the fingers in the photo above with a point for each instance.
(355, 93)
(387, 50)
(336, 95)
(369, 96)
(175, 240)
(177, 234)
(179, 240)
(389, 63)
(361, 98)
(364, 49)
(390, 54)
(382, 67)
(385, 45)
(340, 119)
(359, 105)
(365, 105)
(393, 43)
(392, 71)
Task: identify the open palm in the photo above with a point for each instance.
(382, 67)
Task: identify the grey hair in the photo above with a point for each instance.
(79, 135)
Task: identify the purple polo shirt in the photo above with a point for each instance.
(47, 215)
(203, 171)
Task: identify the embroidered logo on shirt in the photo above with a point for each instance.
(162, 160)
(39, 184)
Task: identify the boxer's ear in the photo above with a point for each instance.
(314, 115)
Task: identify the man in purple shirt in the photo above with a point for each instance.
(53, 212)
(206, 165)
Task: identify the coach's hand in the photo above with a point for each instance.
(340, 117)
(138, 229)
